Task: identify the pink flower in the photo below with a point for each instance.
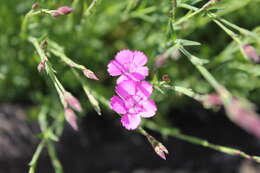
(132, 102)
(130, 65)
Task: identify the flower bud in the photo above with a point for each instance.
(55, 13)
(61, 11)
(251, 53)
(90, 74)
(211, 100)
(158, 147)
(72, 101)
(166, 78)
(71, 118)
(41, 66)
(244, 115)
(35, 6)
(65, 10)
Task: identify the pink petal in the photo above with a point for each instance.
(115, 68)
(123, 77)
(130, 122)
(144, 89)
(140, 73)
(126, 88)
(125, 58)
(135, 76)
(139, 58)
(117, 104)
(149, 109)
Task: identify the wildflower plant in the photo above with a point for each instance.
(195, 46)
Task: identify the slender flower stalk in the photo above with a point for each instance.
(174, 132)
(58, 51)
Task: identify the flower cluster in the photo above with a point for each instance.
(132, 99)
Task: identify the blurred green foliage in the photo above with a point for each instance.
(93, 37)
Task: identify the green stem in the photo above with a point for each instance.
(54, 159)
(174, 9)
(33, 162)
(50, 71)
(186, 91)
(224, 94)
(194, 140)
(187, 17)
(202, 70)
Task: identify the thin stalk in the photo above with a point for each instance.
(202, 69)
(50, 71)
(33, 162)
(174, 132)
(187, 17)
(174, 9)
(186, 91)
(54, 159)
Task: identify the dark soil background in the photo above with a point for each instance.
(103, 146)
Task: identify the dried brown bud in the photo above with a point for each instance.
(166, 78)
(35, 6)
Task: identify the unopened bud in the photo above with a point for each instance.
(65, 10)
(244, 115)
(90, 74)
(55, 13)
(251, 53)
(41, 66)
(166, 78)
(71, 118)
(158, 147)
(72, 101)
(61, 11)
(35, 6)
(161, 150)
(211, 100)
